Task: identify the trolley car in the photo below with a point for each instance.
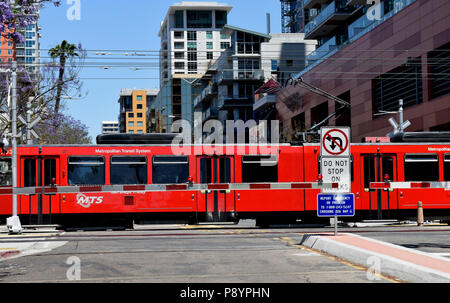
(156, 163)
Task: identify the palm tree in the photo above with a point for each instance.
(62, 51)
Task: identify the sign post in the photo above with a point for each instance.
(335, 167)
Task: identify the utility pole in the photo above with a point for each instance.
(13, 223)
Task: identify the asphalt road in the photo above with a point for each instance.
(177, 254)
(203, 254)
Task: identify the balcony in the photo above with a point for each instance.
(311, 3)
(233, 102)
(211, 113)
(330, 18)
(357, 2)
(244, 75)
(265, 102)
(323, 50)
(363, 25)
(206, 94)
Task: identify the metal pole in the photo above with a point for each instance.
(400, 113)
(13, 223)
(29, 142)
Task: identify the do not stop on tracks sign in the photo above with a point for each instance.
(335, 158)
(335, 165)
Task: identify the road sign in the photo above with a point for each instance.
(338, 170)
(337, 205)
(335, 141)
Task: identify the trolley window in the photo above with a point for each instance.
(86, 171)
(49, 171)
(369, 171)
(421, 167)
(205, 170)
(225, 170)
(259, 169)
(29, 174)
(5, 172)
(128, 170)
(170, 169)
(447, 167)
(388, 167)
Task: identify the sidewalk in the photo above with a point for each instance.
(403, 263)
(27, 243)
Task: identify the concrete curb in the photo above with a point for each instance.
(386, 264)
(9, 254)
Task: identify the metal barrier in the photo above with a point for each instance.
(164, 188)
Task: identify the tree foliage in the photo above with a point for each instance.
(59, 128)
(17, 14)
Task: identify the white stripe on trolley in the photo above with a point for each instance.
(163, 188)
(410, 185)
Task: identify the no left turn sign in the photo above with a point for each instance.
(335, 141)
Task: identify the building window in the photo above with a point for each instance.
(440, 69)
(179, 65)
(209, 55)
(130, 115)
(139, 106)
(178, 35)
(403, 82)
(223, 36)
(274, 64)
(209, 45)
(224, 45)
(209, 35)
(249, 64)
(421, 167)
(199, 19)
(179, 55)
(139, 98)
(179, 45)
(131, 124)
(139, 115)
(140, 123)
(192, 46)
(179, 19)
(192, 67)
(192, 35)
(221, 19)
(192, 56)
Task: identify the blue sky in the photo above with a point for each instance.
(127, 25)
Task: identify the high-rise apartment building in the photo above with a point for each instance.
(190, 40)
(27, 53)
(133, 110)
(7, 52)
